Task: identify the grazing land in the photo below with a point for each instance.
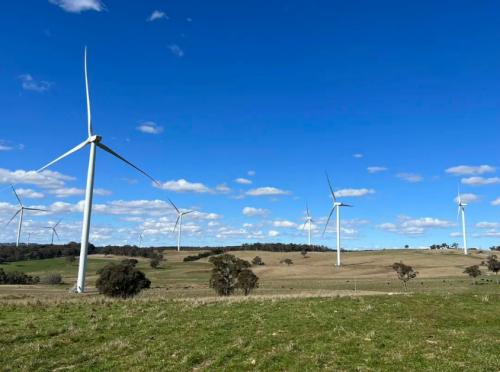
(306, 316)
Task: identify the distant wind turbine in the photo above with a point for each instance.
(336, 205)
(140, 239)
(461, 209)
(179, 223)
(20, 211)
(308, 222)
(93, 141)
(54, 231)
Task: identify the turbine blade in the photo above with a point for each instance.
(55, 232)
(328, 220)
(35, 209)
(176, 223)
(87, 95)
(458, 213)
(173, 205)
(57, 224)
(14, 216)
(74, 149)
(17, 196)
(107, 149)
(331, 188)
(307, 210)
(304, 225)
(347, 205)
(184, 213)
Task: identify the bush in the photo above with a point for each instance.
(130, 262)
(226, 275)
(52, 278)
(154, 262)
(201, 255)
(287, 261)
(405, 272)
(121, 280)
(258, 261)
(473, 271)
(17, 277)
(70, 259)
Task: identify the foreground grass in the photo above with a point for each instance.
(414, 332)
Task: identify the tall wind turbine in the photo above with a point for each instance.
(54, 231)
(93, 141)
(20, 211)
(179, 223)
(336, 205)
(308, 222)
(461, 209)
(140, 239)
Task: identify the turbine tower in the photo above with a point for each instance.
(54, 232)
(20, 211)
(461, 209)
(93, 141)
(179, 223)
(140, 239)
(308, 222)
(336, 205)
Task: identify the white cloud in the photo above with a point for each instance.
(222, 188)
(65, 192)
(45, 179)
(150, 127)
(29, 194)
(252, 212)
(273, 233)
(29, 83)
(78, 6)
(376, 169)
(487, 225)
(496, 202)
(415, 226)
(284, 224)
(353, 192)
(467, 198)
(251, 173)
(157, 14)
(182, 185)
(480, 181)
(410, 177)
(176, 50)
(5, 147)
(267, 191)
(357, 156)
(470, 170)
(243, 181)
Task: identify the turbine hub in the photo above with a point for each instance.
(96, 139)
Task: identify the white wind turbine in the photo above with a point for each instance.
(179, 223)
(20, 211)
(308, 222)
(54, 231)
(93, 141)
(336, 205)
(140, 239)
(461, 209)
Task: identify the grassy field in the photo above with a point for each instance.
(306, 316)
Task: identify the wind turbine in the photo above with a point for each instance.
(20, 211)
(336, 205)
(140, 239)
(93, 141)
(461, 209)
(179, 222)
(308, 222)
(54, 232)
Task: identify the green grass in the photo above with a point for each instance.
(413, 332)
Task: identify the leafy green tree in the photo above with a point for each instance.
(287, 261)
(493, 265)
(473, 271)
(225, 273)
(121, 280)
(404, 272)
(247, 281)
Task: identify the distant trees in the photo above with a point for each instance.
(404, 272)
(495, 248)
(121, 280)
(230, 273)
(17, 277)
(473, 271)
(257, 261)
(52, 279)
(287, 261)
(440, 246)
(407, 246)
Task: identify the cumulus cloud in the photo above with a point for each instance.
(467, 198)
(376, 169)
(176, 50)
(45, 179)
(78, 6)
(487, 225)
(64, 192)
(222, 188)
(150, 127)
(243, 181)
(480, 181)
(29, 194)
(353, 192)
(284, 224)
(415, 226)
(470, 170)
(157, 14)
(252, 212)
(357, 156)
(267, 191)
(410, 177)
(182, 185)
(496, 202)
(273, 233)
(29, 83)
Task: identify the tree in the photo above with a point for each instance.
(247, 281)
(407, 246)
(258, 261)
(70, 259)
(473, 271)
(287, 261)
(121, 280)
(493, 265)
(154, 262)
(226, 274)
(404, 272)
(304, 252)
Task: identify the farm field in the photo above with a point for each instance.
(306, 316)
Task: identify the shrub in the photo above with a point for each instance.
(154, 262)
(287, 261)
(493, 264)
(304, 253)
(52, 278)
(404, 272)
(130, 262)
(70, 259)
(121, 280)
(201, 255)
(258, 261)
(226, 274)
(247, 281)
(17, 277)
(473, 271)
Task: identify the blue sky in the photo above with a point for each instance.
(239, 108)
